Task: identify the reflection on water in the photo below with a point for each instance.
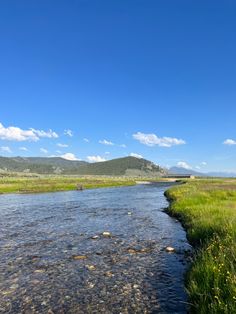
(55, 259)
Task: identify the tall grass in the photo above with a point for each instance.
(58, 183)
(207, 209)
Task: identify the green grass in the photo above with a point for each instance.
(18, 184)
(207, 209)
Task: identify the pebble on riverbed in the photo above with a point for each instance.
(90, 267)
(138, 250)
(79, 257)
(39, 271)
(109, 274)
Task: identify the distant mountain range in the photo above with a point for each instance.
(179, 170)
(129, 166)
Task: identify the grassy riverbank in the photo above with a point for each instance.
(207, 209)
(36, 184)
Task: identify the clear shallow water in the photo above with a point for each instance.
(129, 272)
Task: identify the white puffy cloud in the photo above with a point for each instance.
(136, 155)
(153, 140)
(69, 156)
(5, 149)
(184, 164)
(13, 133)
(229, 142)
(62, 145)
(43, 150)
(96, 159)
(24, 149)
(105, 142)
(68, 133)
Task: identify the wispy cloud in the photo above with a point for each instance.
(136, 155)
(43, 150)
(23, 149)
(86, 140)
(95, 159)
(106, 142)
(5, 149)
(229, 142)
(68, 133)
(203, 164)
(62, 145)
(184, 164)
(153, 140)
(13, 133)
(47, 134)
(123, 145)
(69, 156)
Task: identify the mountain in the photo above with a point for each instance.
(179, 170)
(40, 165)
(129, 166)
(222, 174)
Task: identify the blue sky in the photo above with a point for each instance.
(153, 78)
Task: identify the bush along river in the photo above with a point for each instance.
(94, 251)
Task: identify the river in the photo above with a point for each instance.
(56, 258)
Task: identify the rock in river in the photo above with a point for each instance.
(106, 234)
(170, 249)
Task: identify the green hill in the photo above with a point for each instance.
(42, 165)
(129, 166)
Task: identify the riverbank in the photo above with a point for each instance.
(207, 210)
(40, 184)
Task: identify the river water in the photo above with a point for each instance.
(54, 257)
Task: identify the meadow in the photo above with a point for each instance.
(45, 183)
(207, 209)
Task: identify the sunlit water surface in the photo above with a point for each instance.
(49, 262)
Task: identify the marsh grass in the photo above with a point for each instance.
(38, 184)
(207, 209)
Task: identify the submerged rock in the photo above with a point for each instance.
(109, 274)
(79, 257)
(138, 250)
(90, 267)
(40, 271)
